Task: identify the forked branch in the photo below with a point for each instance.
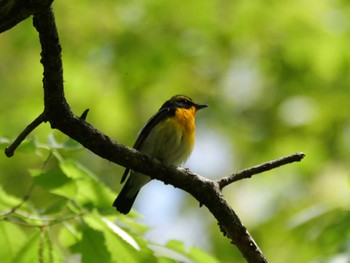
(58, 113)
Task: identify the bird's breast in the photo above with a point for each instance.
(185, 119)
(172, 140)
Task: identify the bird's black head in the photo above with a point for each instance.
(182, 101)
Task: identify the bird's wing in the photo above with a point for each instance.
(153, 121)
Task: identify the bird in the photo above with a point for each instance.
(168, 136)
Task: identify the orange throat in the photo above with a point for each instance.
(185, 118)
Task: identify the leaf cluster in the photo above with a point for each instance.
(67, 214)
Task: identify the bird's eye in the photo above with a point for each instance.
(187, 102)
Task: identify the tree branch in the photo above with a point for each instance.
(14, 11)
(249, 172)
(9, 151)
(58, 113)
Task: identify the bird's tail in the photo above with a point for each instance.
(124, 201)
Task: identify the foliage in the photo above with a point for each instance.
(275, 76)
(74, 219)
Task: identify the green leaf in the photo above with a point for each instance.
(8, 201)
(17, 246)
(169, 254)
(133, 224)
(29, 250)
(49, 250)
(113, 228)
(91, 193)
(195, 254)
(166, 260)
(199, 255)
(12, 238)
(27, 146)
(76, 171)
(120, 244)
(176, 245)
(71, 144)
(69, 236)
(92, 246)
(113, 240)
(53, 142)
(56, 183)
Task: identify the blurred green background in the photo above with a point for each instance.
(275, 75)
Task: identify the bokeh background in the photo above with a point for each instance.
(275, 75)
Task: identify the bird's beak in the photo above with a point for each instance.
(200, 106)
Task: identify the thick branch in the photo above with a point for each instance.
(14, 11)
(249, 172)
(56, 107)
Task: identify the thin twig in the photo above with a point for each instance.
(249, 172)
(9, 151)
(44, 222)
(15, 208)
